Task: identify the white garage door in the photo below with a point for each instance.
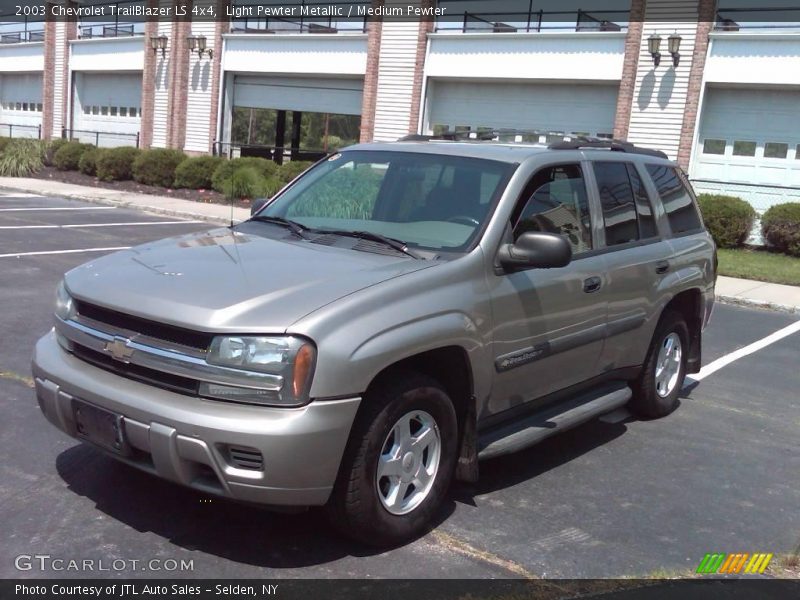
(307, 94)
(749, 145)
(107, 108)
(20, 104)
(555, 109)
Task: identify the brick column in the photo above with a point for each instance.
(221, 27)
(179, 77)
(148, 82)
(374, 29)
(48, 77)
(706, 20)
(628, 83)
(425, 27)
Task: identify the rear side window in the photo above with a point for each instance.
(644, 209)
(677, 199)
(617, 200)
(555, 201)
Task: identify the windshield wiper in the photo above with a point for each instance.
(398, 245)
(296, 228)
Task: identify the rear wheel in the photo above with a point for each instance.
(656, 391)
(398, 463)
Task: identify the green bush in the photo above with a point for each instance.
(21, 158)
(288, 171)
(245, 182)
(51, 148)
(728, 219)
(88, 162)
(196, 173)
(263, 167)
(3, 143)
(116, 164)
(780, 227)
(68, 156)
(157, 166)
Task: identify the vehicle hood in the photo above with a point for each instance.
(226, 281)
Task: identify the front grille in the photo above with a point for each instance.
(160, 331)
(174, 383)
(246, 458)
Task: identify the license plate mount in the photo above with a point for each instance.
(101, 427)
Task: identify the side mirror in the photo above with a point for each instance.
(535, 250)
(257, 205)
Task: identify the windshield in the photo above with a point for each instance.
(426, 201)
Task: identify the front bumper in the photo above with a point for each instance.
(189, 440)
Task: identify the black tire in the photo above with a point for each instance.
(354, 507)
(646, 401)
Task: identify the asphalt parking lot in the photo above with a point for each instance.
(616, 497)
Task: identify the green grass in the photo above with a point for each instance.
(760, 265)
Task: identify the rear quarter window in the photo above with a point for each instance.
(677, 198)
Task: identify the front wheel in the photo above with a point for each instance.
(656, 391)
(398, 463)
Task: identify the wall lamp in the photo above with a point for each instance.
(159, 42)
(197, 43)
(673, 45)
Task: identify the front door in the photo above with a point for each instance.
(549, 323)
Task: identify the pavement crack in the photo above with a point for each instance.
(458, 546)
(12, 376)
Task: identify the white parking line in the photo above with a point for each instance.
(81, 225)
(65, 208)
(724, 361)
(16, 254)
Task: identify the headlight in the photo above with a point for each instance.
(65, 307)
(290, 357)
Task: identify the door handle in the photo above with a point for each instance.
(592, 285)
(662, 267)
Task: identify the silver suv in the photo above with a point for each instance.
(395, 314)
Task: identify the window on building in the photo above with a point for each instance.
(714, 147)
(797, 152)
(123, 111)
(616, 198)
(647, 220)
(677, 199)
(24, 106)
(95, 110)
(744, 148)
(776, 150)
(39, 107)
(87, 110)
(606, 136)
(18, 106)
(555, 201)
(114, 111)
(104, 111)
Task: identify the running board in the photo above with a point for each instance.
(534, 428)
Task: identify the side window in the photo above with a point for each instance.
(616, 198)
(647, 221)
(677, 199)
(555, 201)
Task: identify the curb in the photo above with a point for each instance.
(170, 212)
(762, 304)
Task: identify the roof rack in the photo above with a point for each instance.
(485, 135)
(614, 145)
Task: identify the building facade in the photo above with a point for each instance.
(726, 105)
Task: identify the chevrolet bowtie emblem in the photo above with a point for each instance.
(119, 349)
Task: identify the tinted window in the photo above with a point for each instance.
(676, 197)
(555, 201)
(616, 198)
(647, 220)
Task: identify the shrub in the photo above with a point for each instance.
(88, 162)
(263, 167)
(780, 227)
(51, 148)
(288, 171)
(728, 219)
(3, 143)
(22, 157)
(116, 164)
(196, 173)
(68, 156)
(245, 182)
(157, 166)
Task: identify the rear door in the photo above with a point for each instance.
(637, 260)
(549, 323)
